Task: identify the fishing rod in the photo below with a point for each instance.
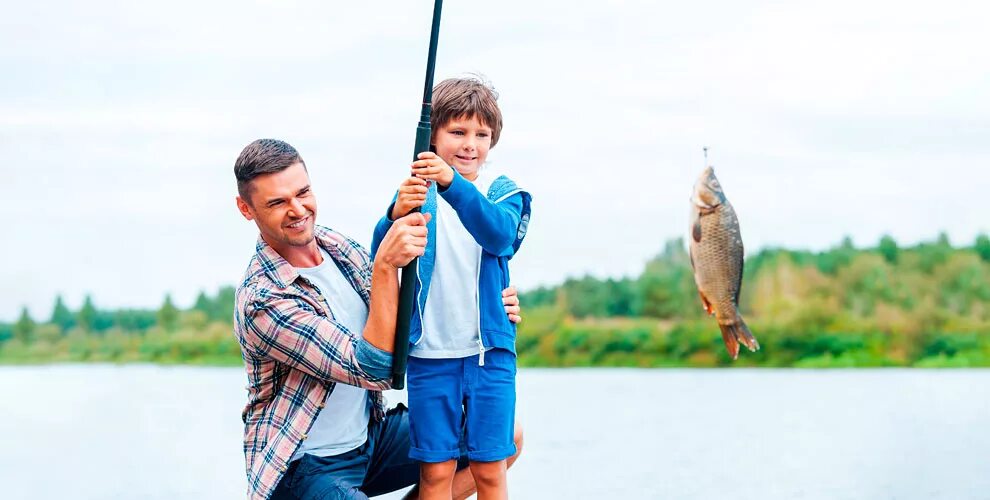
(407, 289)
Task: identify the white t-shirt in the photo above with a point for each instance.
(343, 424)
(451, 323)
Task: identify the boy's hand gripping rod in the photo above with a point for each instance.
(407, 290)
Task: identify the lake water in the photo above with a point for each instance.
(148, 432)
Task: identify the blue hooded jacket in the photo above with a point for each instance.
(498, 223)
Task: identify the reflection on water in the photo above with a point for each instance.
(102, 432)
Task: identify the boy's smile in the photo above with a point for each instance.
(464, 143)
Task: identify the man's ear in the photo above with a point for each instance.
(244, 208)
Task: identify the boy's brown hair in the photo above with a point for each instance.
(456, 98)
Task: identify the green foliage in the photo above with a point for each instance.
(86, 317)
(168, 315)
(61, 315)
(921, 306)
(24, 328)
(538, 297)
(666, 287)
(982, 247)
(888, 249)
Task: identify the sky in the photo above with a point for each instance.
(120, 123)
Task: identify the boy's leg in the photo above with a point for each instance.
(391, 469)
(436, 414)
(490, 480)
(464, 481)
(436, 480)
(491, 408)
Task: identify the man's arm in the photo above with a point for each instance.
(410, 196)
(382, 227)
(288, 329)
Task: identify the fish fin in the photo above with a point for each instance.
(736, 333)
(729, 337)
(696, 230)
(705, 304)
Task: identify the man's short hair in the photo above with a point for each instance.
(263, 156)
(455, 98)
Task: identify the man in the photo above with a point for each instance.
(315, 318)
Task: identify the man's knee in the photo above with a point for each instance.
(517, 437)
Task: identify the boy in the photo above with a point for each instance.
(461, 370)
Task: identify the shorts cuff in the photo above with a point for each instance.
(492, 455)
(433, 457)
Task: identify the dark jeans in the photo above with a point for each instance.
(380, 465)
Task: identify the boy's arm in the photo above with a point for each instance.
(493, 225)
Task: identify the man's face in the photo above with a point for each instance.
(464, 143)
(283, 206)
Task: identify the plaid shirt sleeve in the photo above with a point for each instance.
(287, 329)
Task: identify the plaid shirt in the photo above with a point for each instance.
(294, 353)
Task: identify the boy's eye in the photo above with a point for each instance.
(457, 132)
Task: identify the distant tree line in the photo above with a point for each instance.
(886, 305)
(924, 305)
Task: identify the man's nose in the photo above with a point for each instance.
(296, 208)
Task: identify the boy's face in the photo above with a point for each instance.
(464, 143)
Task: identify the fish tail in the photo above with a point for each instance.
(736, 333)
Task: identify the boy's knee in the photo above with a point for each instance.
(488, 474)
(438, 473)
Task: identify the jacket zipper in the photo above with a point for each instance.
(477, 295)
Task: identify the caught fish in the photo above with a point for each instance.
(717, 259)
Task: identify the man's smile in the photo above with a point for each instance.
(299, 224)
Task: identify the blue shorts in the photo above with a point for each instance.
(448, 395)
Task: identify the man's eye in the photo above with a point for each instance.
(274, 203)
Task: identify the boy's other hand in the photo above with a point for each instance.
(431, 167)
(404, 241)
(511, 301)
(412, 195)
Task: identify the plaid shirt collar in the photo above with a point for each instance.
(283, 274)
